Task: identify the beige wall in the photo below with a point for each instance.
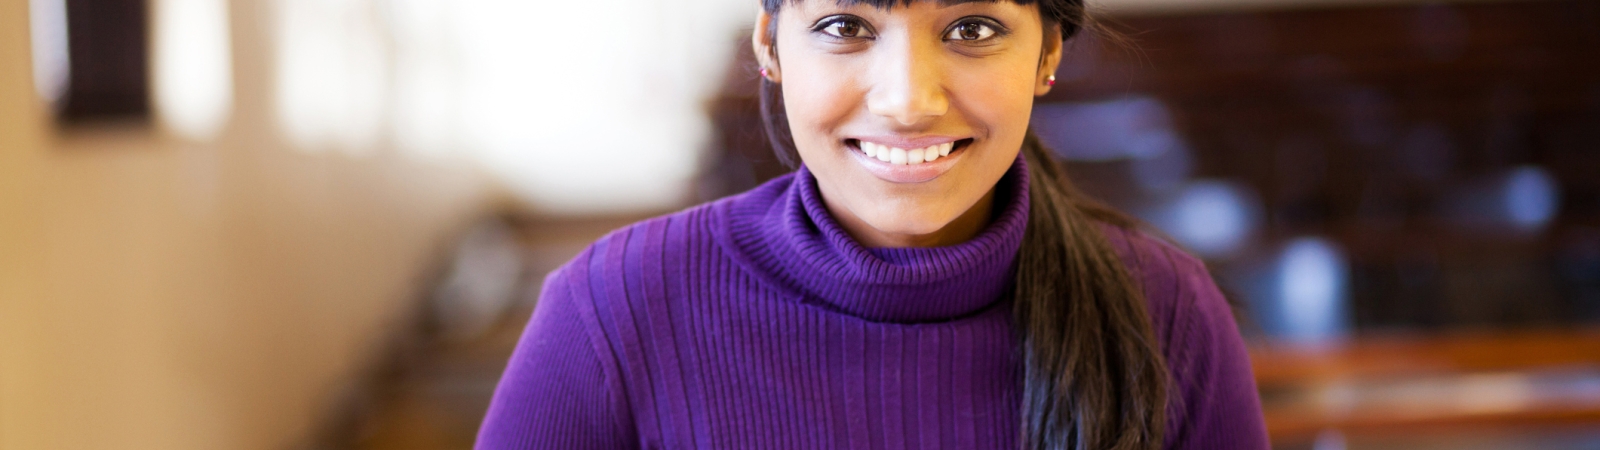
(160, 294)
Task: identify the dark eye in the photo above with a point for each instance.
(970, 31)
(844, 28)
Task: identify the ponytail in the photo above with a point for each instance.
(1093, 375)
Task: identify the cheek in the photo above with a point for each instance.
(817, 100)
(996, 97)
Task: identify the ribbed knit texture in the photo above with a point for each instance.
(757, 322)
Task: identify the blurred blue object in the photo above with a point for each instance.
(1312, 275)
(1213, 218)
(1136, 127)
(1531, 197)
(1520, 200)
(1164, 172)
(1300, 292)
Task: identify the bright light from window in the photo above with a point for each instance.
(427, 77)
(579, 107)
(581, 118)
(193, 66)
(52, 64)
(331, 73)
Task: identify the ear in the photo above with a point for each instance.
(762, 44)
(1049, 59)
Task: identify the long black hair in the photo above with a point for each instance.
(1093, 376)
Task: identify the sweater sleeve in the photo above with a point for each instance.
(557, 391)
(1218, 406)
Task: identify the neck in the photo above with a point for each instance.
(962, 229)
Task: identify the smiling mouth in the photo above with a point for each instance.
(907, 157)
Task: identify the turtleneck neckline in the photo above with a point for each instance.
(783, 233)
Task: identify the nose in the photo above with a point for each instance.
(906, 82)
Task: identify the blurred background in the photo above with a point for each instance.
(320, 224)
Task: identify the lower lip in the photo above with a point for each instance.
(908, 173)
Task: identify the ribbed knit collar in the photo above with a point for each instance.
(784, 234)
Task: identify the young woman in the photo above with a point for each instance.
(927, 278)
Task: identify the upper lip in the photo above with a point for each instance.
(908, 142)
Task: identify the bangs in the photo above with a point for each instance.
(774, 5)
(1070, 15)
(886, 4)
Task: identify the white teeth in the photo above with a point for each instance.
(900, 156)
(897, 156)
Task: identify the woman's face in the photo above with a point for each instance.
(908, 116)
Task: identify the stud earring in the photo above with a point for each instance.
(764, 73)
(1048, 81)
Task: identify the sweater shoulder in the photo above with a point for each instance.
(1176, 284)
(1214, 402)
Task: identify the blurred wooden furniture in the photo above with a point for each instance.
(1440, 384)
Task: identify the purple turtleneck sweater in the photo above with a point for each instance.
(757, 322)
